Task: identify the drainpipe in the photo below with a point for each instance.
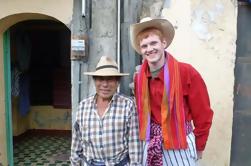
(118, 35)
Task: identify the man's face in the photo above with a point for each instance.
(152, 48)
(106, 86)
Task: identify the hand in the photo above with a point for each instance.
(131, 85)
(199, 154)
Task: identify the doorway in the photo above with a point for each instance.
(40, 70)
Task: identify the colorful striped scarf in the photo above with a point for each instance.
(172, 110)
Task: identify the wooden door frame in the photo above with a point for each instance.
(7, 84)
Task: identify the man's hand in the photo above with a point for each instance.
(131, 85)
(199, 154)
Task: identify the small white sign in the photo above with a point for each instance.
(77, 45)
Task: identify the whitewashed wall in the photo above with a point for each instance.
(12, 12)
(205, 37)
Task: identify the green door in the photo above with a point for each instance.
(7, 82)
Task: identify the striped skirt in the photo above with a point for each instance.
(182, 157)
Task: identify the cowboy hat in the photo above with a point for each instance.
(106, 67)
(159, 23)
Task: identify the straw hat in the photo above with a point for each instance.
(159, 23)
(106, 67)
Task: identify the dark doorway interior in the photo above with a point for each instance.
(41, 49)
(40, 76)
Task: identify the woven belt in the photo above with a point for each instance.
(101, 163)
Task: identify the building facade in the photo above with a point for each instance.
(52, 43)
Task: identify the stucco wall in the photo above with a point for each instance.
(42, 118)
(205, 37)
(49, 118)
(60, 9)
(12, 12)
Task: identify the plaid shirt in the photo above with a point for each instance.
(109, 138)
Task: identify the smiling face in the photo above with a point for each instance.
(152, 48)
(106, 86)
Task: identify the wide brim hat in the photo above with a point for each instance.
(161, 24)
(106, 67)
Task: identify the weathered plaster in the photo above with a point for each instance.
(60, 9)
(152, 8)
(2, 135)
(205, 37)
(12, 12)
(47, 117)
(103, 36)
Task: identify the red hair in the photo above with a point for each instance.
(146, 32)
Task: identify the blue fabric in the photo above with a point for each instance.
(24, 104)
(98, 163)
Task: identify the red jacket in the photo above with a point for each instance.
(196, 101)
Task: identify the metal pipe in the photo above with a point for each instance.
(118, 35)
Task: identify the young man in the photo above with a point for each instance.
(171, 98)
(106, 129)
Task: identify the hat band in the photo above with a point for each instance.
(106, 66)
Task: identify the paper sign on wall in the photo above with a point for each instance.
(78, 47)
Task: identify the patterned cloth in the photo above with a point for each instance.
(109, 138)
(189, 127)
(15, 77)
(154, 151)
(180, 157)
